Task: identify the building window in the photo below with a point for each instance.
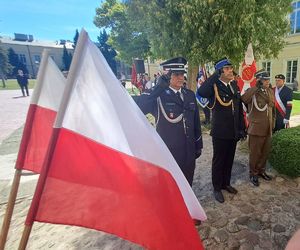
(22, 58)
(37, 59)
(295, 18)
(267, 66)
(291, 71)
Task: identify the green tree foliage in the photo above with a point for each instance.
(16, 64)
(108, 52)
(5, 67)
(66, 58)
(206, 30)
(225, 28)
(161, 22)
(200, 30)
(128, 41)
(75, 39)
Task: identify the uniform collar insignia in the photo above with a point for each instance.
(168, 92)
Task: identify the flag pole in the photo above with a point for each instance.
(54, 137)
(10, 208)
(22, 152)
(25, 236)
(131, 78)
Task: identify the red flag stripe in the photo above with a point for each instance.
(94, 191)
(35, 139)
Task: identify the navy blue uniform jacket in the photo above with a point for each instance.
(184, 138)
(227, 123)
(286, 95)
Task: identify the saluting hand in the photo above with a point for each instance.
(164, 80)
(163, 83)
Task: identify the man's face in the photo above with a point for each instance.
(279, 82)
(177, 80)
(266, 83)
(227, 73)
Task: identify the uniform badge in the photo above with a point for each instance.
(168, 92)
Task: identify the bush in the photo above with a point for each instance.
(296, 95)
(285, 152)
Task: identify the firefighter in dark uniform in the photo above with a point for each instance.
(283, 103)
(228, 124)
(177, 116)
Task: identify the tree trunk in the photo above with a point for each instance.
(192, 75)
(3, 80)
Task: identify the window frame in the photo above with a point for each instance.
(291, 73)
(296, 13)
(37, 59)
(267, 66)
(22, 58)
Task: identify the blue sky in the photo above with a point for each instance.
(48, 19)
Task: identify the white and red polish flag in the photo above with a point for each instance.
(247, 71)
(41, 115)
(100, 173)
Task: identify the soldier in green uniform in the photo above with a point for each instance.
(261, 117)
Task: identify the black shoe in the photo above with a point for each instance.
(219, 196)
(197, 222)
(230, 189)
(265, 176)
(254, 180)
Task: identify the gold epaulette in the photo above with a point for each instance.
(217, 97)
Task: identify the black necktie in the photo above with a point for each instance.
(179, 95)
(229, 88)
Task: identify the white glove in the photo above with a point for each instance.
(285, 121)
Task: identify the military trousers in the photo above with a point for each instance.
(223, 156)
(259, 147)
(278, 124)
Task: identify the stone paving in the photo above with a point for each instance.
(261, 217)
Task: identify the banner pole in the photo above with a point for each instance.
(10, 208)
(25, 237)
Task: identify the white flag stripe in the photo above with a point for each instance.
(53, 87)
(279, 101)
(249, 56)
(102, 110)
(40, 77)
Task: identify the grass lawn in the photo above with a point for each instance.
(133, 91)
(13, 84)
(296, 107)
